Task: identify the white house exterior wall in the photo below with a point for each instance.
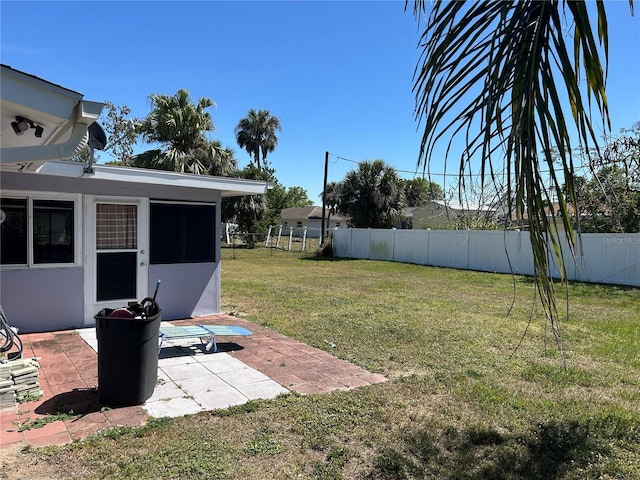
(43, 299)
(52, 298)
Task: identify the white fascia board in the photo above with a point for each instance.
(230, 187)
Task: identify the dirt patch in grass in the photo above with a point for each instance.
(19, 463)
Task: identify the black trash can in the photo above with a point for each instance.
(127, 357)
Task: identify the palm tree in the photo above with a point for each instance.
(256, 133)
(372, 196)
(418, 191)
(496, 73)
(216, 160)
(181, 125)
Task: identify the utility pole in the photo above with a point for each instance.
(324, 193)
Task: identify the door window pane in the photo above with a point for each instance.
(13, 231)
(116, 276)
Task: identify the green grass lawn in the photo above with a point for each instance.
(474, 392)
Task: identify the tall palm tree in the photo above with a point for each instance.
(180, 125)
(497, 73)
(256, 133)
(372, 196)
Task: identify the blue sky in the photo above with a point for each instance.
(337, 74)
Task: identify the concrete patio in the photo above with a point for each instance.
(190, 380)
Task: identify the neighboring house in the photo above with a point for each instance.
(406, 223)
(74, 240)
(439, 213)
(311, 218)
(553, 215)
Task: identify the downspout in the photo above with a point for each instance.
(87, 113)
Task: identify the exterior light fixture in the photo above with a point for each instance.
(22, 124)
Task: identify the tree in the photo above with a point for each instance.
(212, 159)
(607, 204)
(216, 160)
(608, 198)
(331, 199)
(372, 196)
(256, 133)
(121, 135)
(180, 125)
(121, 132)
(280, 197)
(493, 72)
(248, 211)
(419, 191)
(624, 152)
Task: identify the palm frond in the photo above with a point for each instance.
(498, 77)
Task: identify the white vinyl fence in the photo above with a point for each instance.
(600, 258)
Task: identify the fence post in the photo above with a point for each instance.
(266, 243)
(426, 246)
(233, 246)
(304, 238)
(393, 245)
(468, 248)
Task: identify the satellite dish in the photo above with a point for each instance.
(97, 137)
(3, 216)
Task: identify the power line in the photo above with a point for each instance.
(455, 175)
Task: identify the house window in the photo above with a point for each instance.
(299, 224)
(182, 233)
(52, 231)
(13, 231)
(37, 232)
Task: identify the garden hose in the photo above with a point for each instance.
(9, 338)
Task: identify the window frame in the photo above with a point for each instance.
(32, 197)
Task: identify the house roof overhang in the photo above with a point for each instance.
(64, 118)
(310, 212)
(59, 120)
(123, 176)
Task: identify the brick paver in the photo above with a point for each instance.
(68, 377)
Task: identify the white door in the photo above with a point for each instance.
(116, 258)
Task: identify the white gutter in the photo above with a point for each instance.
(87, 113)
